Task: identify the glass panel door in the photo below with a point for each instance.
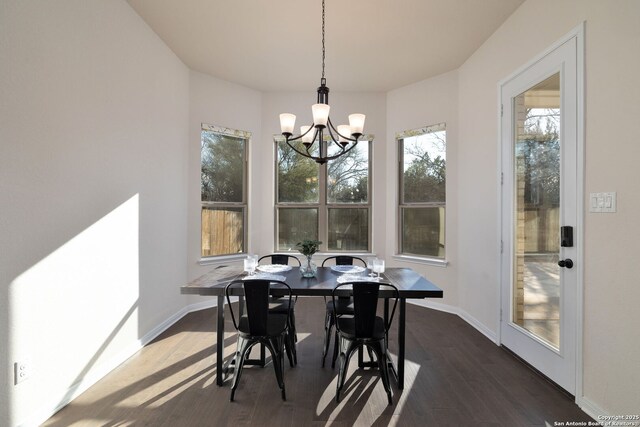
(540, 195)
(536, 282)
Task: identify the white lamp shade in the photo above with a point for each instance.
(287, 122)
(356, 121)
(308, 137)
(320, 114)
(345, 132)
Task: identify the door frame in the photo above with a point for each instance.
(577, 33)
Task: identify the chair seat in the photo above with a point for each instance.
(347, 327)
(280, 305)
(344, 306)
(275, 324)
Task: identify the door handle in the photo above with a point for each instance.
(566, 263)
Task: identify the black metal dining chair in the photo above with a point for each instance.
(279, 305)
(258, 325)
(344, 304)
(281, 259)
(364, 328)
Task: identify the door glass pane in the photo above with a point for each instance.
(349, 229)
(296, 225)
(222, 231)
(536, 293)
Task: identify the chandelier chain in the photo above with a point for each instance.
(323, 50)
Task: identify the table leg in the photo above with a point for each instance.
(220, 341)
(401, 332)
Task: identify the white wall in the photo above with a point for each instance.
(611, 271)
(421, 104)
(93, 178)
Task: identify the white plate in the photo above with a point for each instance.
(273, 268)
(351, 269)
(265, 276)
(351, 278)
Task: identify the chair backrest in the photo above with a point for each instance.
(345, 260)
(365, 304)
(280, 259)
(256, 293)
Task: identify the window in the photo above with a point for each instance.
(327, 202)
(421, 213)
(223, 154)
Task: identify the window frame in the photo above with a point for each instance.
(402, 205)
(246, 137)
(323, 206)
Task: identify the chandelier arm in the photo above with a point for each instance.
(296, 150)
(307, 148)
(344, 151)
(295, 138)
(330, 126)
(332, 136)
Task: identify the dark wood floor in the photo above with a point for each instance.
(455, 377)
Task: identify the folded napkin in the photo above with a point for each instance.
(351, 278)
(265, 276)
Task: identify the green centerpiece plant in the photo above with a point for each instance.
(307, 248)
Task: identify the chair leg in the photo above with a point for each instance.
(293, 335)
(242, 351)
(379, 349)
(293, 325)
(328, 325)
(347, 348)
(276, 347)
(289, 348)
(335, 351)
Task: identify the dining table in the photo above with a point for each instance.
(410, 284)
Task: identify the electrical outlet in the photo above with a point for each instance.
(22, 371)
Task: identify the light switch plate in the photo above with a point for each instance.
(602, 202)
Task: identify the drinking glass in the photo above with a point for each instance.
(370, 262)
(378, 266)
(250, 265)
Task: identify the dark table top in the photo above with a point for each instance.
(409, 283)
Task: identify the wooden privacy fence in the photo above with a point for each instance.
(542, 228)
(222, 231)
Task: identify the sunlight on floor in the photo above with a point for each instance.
(360, 385)
(542, 299)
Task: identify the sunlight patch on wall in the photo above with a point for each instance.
(77, 307)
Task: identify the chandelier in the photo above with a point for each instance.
(345, 137)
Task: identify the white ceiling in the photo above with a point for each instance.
(371, 45)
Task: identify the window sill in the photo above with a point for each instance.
(436, 262)
(221, 259)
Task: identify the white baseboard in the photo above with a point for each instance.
(459, 312)
(591, 409)
(100, 371)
